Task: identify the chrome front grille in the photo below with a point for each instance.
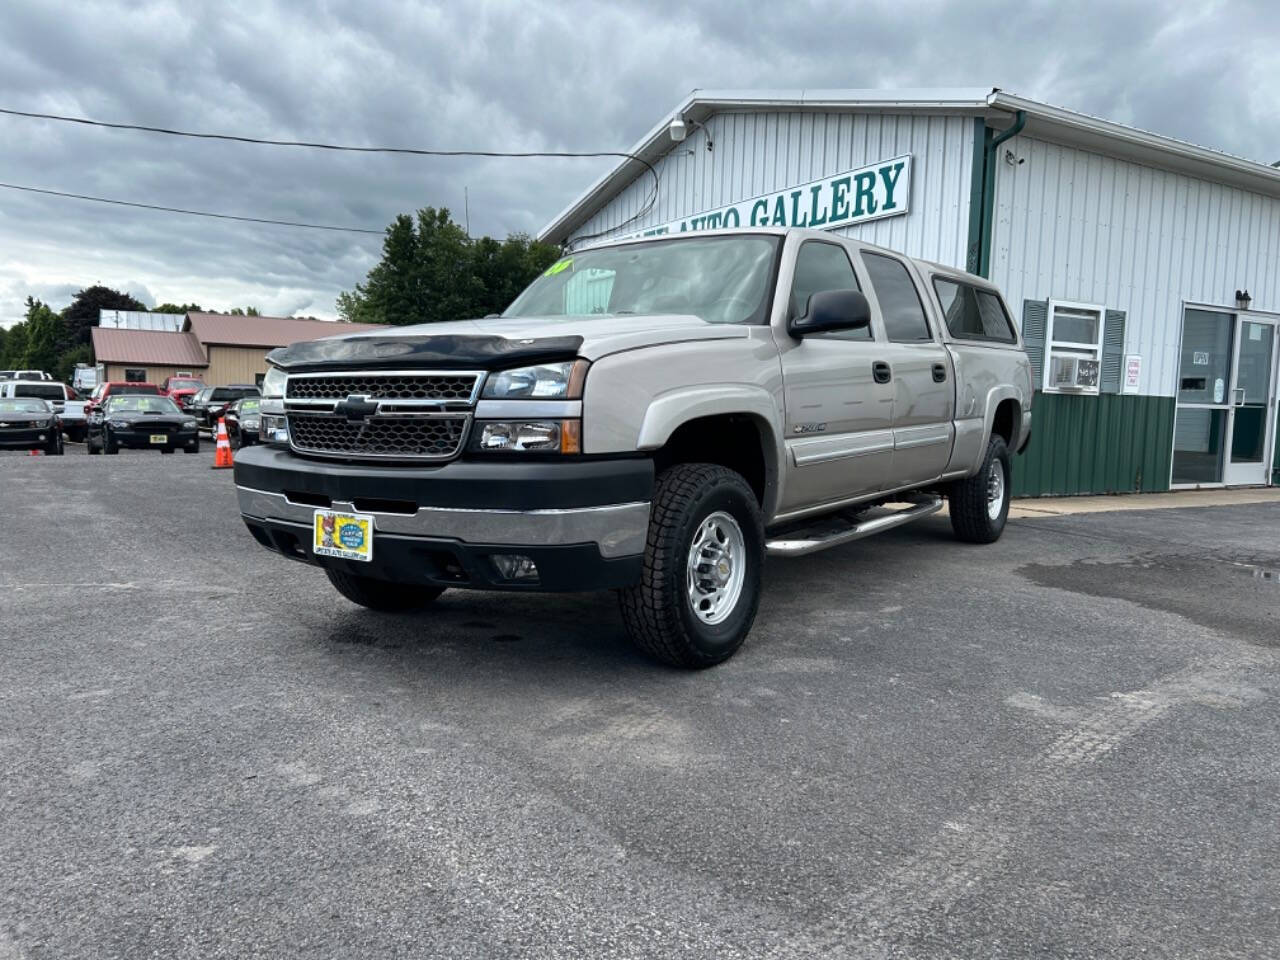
(381, 415)
(395, 437)
(450, 388)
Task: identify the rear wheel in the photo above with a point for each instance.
(701, 580)
(979, 504)
(382, 594)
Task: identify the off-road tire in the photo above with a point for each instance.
(383, 595)
(657, 612)
(968, 499)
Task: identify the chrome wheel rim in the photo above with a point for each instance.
(995, 490)
(717, 567)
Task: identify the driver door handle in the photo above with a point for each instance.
(882, 372)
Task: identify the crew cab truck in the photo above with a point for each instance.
(652, 416)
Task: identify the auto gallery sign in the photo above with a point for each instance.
(868, 193)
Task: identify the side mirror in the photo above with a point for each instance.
(830, 310)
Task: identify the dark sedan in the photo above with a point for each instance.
(29, 423)
(141, 422)
(243, 419)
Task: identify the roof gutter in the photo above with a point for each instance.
(982, 190)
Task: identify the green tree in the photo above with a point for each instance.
(82, 313)
(432, 271)
(15, 347)
(46, 334)
(67, 360)
(245, 312)
(177, 308)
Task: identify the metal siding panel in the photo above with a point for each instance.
(757, 153)
(1090, 445)
(1170, 238)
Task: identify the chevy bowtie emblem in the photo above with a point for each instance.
(356, 408)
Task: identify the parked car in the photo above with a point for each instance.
(29, 423)
(61, 397)
(742, 393)
(181, 389)
(24, 375)
(115, 388)
(139, 421)
(212, 402)
(243, 420)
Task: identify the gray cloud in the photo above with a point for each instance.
(541, 75)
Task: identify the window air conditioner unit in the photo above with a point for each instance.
(1071, 372)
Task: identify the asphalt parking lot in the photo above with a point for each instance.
(1063, 745)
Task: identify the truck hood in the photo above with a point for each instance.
(501, 341)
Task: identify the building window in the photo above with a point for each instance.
(135, 375)
(1073, 347)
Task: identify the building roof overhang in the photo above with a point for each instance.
(996, 106)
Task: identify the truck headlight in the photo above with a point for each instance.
(273, 383)
(545, 381)
(527, 436)
(275, 430)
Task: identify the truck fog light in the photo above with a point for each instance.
(515, 566)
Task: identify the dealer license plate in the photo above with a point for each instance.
(345, 535)
(159, 438)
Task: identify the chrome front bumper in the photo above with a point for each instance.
(617, 529)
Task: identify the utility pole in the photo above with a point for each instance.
(466, 210)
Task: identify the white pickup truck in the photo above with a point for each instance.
(63, 399)
(652, 416)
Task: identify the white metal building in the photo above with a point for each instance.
(1128, 255)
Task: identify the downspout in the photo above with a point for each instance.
(989, 189)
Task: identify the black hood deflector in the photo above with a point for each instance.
(444, 351)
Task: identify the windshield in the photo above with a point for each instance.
(185, 385)
(51, 391)
(125, 389)
(233, 393)
(24, 406)
(142, 404)
(718, 279)
(249, 407)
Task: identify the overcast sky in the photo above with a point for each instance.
(555, 75)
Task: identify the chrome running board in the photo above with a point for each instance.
(833, 531)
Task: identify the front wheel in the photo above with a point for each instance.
(979, 504)
(109, 446)
(382, 594)
(700, 584)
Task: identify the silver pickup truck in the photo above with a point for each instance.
(652, 416)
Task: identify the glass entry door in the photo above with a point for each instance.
(1253, 403)
(1226, 399)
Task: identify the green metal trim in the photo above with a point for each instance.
(973, 256)
(1112, 443)
(989, 188)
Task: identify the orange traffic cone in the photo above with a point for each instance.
(222, 457)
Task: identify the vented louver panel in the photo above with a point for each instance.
(407, 386)
(398, 437)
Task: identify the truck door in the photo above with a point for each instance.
(923, 379)
(839, 415)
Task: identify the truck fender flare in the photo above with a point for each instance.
(995, 396)
(669, 411)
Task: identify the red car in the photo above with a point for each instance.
(117, 388)
(181, 389)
